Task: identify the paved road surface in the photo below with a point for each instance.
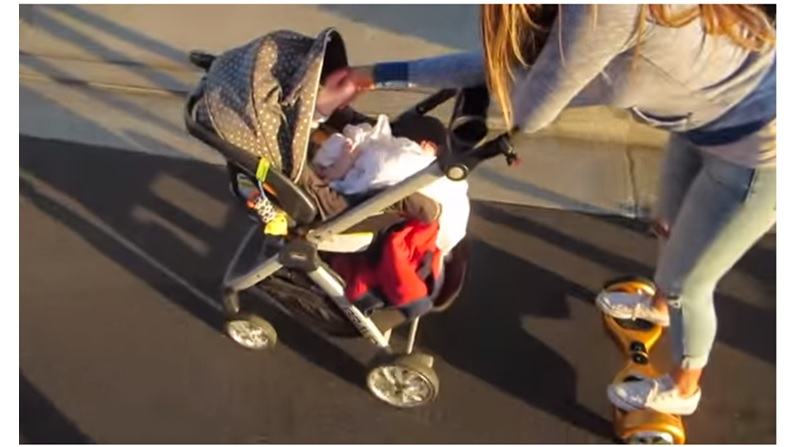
(121, 255)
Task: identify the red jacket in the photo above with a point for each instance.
(409, 264)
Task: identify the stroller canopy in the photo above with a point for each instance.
(261, 96)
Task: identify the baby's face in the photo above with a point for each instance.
(428, 147)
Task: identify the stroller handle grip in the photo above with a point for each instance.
(460, 163)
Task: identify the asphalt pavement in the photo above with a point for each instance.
(121, 258)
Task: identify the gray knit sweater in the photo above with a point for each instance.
(683, 80)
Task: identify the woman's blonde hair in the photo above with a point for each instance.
(514, 34)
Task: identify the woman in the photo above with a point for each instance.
(704, 73)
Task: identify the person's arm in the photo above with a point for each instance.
(449, 71)
(580, 45)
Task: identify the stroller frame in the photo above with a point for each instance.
(467, 146)
(318, 272)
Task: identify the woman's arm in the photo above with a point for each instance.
(580, 45)
(449, 71)
(583, 40)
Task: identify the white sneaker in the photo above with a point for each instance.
(630, 306)
(659, 395)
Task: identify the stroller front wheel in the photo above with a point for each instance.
(406, 381)
(251, 332)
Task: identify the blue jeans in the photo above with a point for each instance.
(716, 210)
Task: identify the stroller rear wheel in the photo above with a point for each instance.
(251, 332)
(404, 381)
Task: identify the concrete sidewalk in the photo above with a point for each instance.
(115, 76)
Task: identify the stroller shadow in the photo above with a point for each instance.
(180, 255)
(40, 422)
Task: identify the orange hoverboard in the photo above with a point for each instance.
(636, 338)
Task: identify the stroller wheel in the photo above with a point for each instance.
(251, 331)
(405, 381)
(649, 437)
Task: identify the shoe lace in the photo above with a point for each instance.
(637, 309)
(662, 389)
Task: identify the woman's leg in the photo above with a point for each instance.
(723, 213)
(682, 162)
(726, 210)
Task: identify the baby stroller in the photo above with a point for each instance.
(255, 105)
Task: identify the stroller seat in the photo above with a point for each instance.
(302, 204)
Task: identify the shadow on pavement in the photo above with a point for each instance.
(40, 422)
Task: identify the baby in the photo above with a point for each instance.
(366, 157)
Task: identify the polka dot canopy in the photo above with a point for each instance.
(261, 96)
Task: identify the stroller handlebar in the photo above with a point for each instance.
(460, 161)
(467, 145)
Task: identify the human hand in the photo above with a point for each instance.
(341, 87)
(343, 164)
(362, 77)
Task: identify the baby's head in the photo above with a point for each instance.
(429, 132)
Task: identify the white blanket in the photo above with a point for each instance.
(383, 160)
